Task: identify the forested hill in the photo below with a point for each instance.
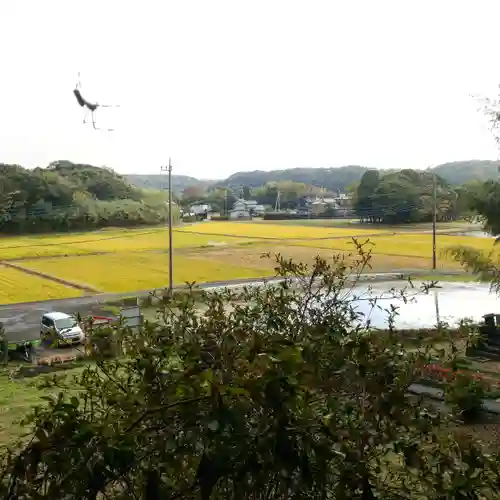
(340, 178)
(459, 172)
(330, 178)
(455, 173)
(158, 181)
(65, 196)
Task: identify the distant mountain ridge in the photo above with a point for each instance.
(455, 173)
(458, 172)
(159, 181)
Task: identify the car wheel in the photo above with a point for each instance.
(29, 354)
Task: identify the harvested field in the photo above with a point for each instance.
(252, 257)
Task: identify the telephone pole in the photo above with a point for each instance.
(170, 245)
(434, 216)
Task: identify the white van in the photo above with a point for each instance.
(65, 327)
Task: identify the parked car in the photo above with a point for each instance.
(60, 328)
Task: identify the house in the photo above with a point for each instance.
(336, 206)
(239, 213)
(242, 209)
(213, 213)
(343, 205)
(252, 206)
(200, 208)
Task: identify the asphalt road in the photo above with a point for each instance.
(22, 321)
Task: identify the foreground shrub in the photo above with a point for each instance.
(273, 392)
(465, 393)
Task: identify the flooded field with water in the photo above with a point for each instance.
(455, 301)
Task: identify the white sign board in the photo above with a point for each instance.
(131, 316)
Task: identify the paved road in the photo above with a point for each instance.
(22, 321)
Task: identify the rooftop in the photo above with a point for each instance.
(56, 315)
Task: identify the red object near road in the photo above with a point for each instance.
(448, 371)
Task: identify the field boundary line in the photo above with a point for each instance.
(180, 250)
(133, 234)
(373, 252)
(60, 281)
(306, 238)
(56, 256)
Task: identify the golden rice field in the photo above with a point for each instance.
(277, 231)
(122, 240)
(16, 286)
(126, 260)
(409, 245)
(138, 271)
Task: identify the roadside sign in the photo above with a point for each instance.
(131, 316)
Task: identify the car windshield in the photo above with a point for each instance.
(63, 323)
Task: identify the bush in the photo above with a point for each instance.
(268, 392)
(220, 217)
(465, 393)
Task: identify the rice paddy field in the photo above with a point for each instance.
(16, 286)
(125, 260)
(139, 271)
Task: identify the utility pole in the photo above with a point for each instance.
(434, 216)
(277, 205)
(170, 245)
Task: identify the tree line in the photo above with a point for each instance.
(331, 179)
(291, 195)
(396, 197)
(65, 197)
(409, 196)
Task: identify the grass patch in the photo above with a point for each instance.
(19, 396)
(454, 278)
(139, 271)
(16, 286)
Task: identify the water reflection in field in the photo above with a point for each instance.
(455, 301)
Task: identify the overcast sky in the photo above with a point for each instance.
(222, 86)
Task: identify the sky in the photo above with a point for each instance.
(222, 86)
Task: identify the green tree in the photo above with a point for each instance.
(271, 392)
(66, 196)
(365, 202)
(403, 196)
(247, 194)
